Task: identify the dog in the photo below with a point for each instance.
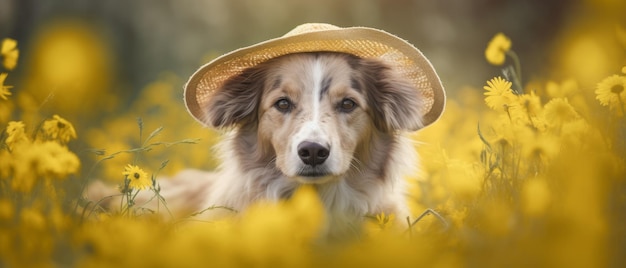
(327, 119)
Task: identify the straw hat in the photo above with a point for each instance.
(316, 37)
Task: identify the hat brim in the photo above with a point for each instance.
(359, 41)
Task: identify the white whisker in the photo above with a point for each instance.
(355, 164)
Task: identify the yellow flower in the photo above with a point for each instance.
(385, 221)
(59, 129)
(138, 179)
(624, 70)
(559, 111)
(15, 133)
(611, 92)
(531, 104)
(9, 53)
(498, 46)
(499, 94)
(4, 90)
(54, 160)
(45, 160)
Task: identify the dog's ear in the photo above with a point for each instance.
(395, 104)
(237, 101)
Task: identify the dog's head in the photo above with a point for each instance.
(313, 110)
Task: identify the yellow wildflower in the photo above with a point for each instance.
(55, 160)
(498, 46)
(610, 92)
(48, 160)
(530, 104)
(624, 70)
(15, 133)
(9, 53)
(4, 90)
(20, 171)
(385, 221)
(559, 111)
(499, 94)
(59, 129)
(138, 179)
(529, 111)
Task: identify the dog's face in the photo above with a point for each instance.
(314, 115)
(313, 111)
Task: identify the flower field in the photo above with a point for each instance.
(519, 172)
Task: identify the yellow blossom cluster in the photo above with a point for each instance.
(26, 161)
(9, 55)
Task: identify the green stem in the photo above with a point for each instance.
(621, 104)
(518, 69)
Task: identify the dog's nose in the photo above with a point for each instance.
(312, 153)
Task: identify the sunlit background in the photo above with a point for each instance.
(138, 40)
(544, 188)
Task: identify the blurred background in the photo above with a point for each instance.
(141, 39)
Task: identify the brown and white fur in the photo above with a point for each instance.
(331, 120)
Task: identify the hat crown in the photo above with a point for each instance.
(315, 37)
(310, 27)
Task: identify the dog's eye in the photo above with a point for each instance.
(347, 105)
(283, 105)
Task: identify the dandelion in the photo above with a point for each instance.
(15, 133)
(138, 179)
(499, 94)
(530, 104)
(611, 92)
(497, 49)
(559, 111)
(4, 90)
(58, 129)
(9, 53)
